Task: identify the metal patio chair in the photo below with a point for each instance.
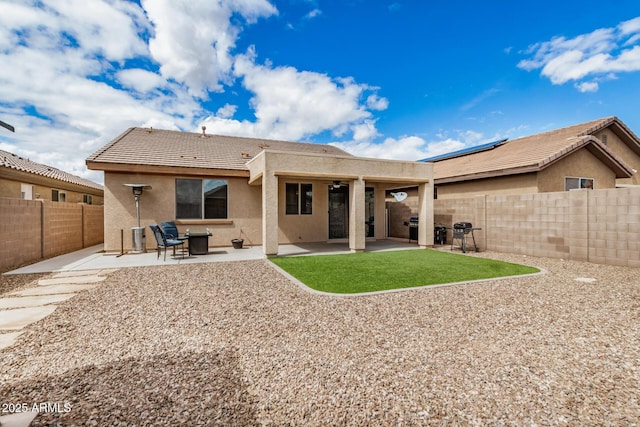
(163, 242)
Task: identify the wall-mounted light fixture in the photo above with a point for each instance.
(336, 183)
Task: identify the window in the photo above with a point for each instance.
(26, 191)
(577, 183)
(299, 199)
(87, 198)
(58, 196)
(201, 198)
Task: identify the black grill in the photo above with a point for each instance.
(466, 226)
(413, 228)
(461, 230)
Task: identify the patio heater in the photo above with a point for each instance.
(137, 233)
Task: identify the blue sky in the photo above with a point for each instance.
(403, 79)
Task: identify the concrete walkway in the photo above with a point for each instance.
(21, 308)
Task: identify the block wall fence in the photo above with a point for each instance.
(599, 226)
(33, 230)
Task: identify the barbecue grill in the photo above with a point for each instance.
(413, 228)
(462, 230)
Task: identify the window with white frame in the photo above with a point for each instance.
(299, 199)
(58, 196)
(201, 198)
(26, 191)
(574, 183)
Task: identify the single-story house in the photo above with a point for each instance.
(602, 153)
(21, 178)
(264, 191)
(599, 154)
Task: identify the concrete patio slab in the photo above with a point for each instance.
(32, 301)
(7, 340)
(12, 320)
(52, 290)
(93, 258)
(71, 280)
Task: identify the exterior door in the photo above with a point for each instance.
(338, 212)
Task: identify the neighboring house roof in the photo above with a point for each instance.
(12, 161)
(536, 152)
(155, 147)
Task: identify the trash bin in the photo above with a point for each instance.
(138, 240)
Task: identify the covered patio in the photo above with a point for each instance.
(270, 167)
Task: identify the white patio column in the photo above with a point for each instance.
(425, 215)
(357, 235)
(270, 214)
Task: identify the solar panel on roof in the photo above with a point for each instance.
(465, 151)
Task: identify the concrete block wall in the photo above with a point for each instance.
(473, 209)
(529, 224)
(21, 229)
(92, 225)
(63, 228)
(600, 226)
(38, 229)
(614, 227)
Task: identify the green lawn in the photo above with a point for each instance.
(376, 271)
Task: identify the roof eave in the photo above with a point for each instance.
(165, 170)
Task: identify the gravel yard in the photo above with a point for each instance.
(239, 344)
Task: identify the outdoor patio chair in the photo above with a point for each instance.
(163, 242)
(170, 230)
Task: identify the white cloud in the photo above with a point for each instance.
(605, 50)
(139, 79)
(587, 86)
(194, 38)
(404, 148)
(227, 111)
(292, 104)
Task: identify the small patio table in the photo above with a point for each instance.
(198, 243)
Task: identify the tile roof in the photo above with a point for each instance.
(156, 147)
(532, 153)
(13, 161)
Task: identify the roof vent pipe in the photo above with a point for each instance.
(204, 128)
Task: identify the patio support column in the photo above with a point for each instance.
(425, 215)
(357, 234)
(270, 214)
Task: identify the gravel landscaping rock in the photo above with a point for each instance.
(239, 344)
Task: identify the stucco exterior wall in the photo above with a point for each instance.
(159, 204)
(622, 150)
(11, 180)
(581, 164)
(296, 228)
(513, 184)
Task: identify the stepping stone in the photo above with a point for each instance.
(71, 280)
(52, 290)
(7, 340)
(77, 273)
(20, 317)
(33, 301)
(19, 419)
